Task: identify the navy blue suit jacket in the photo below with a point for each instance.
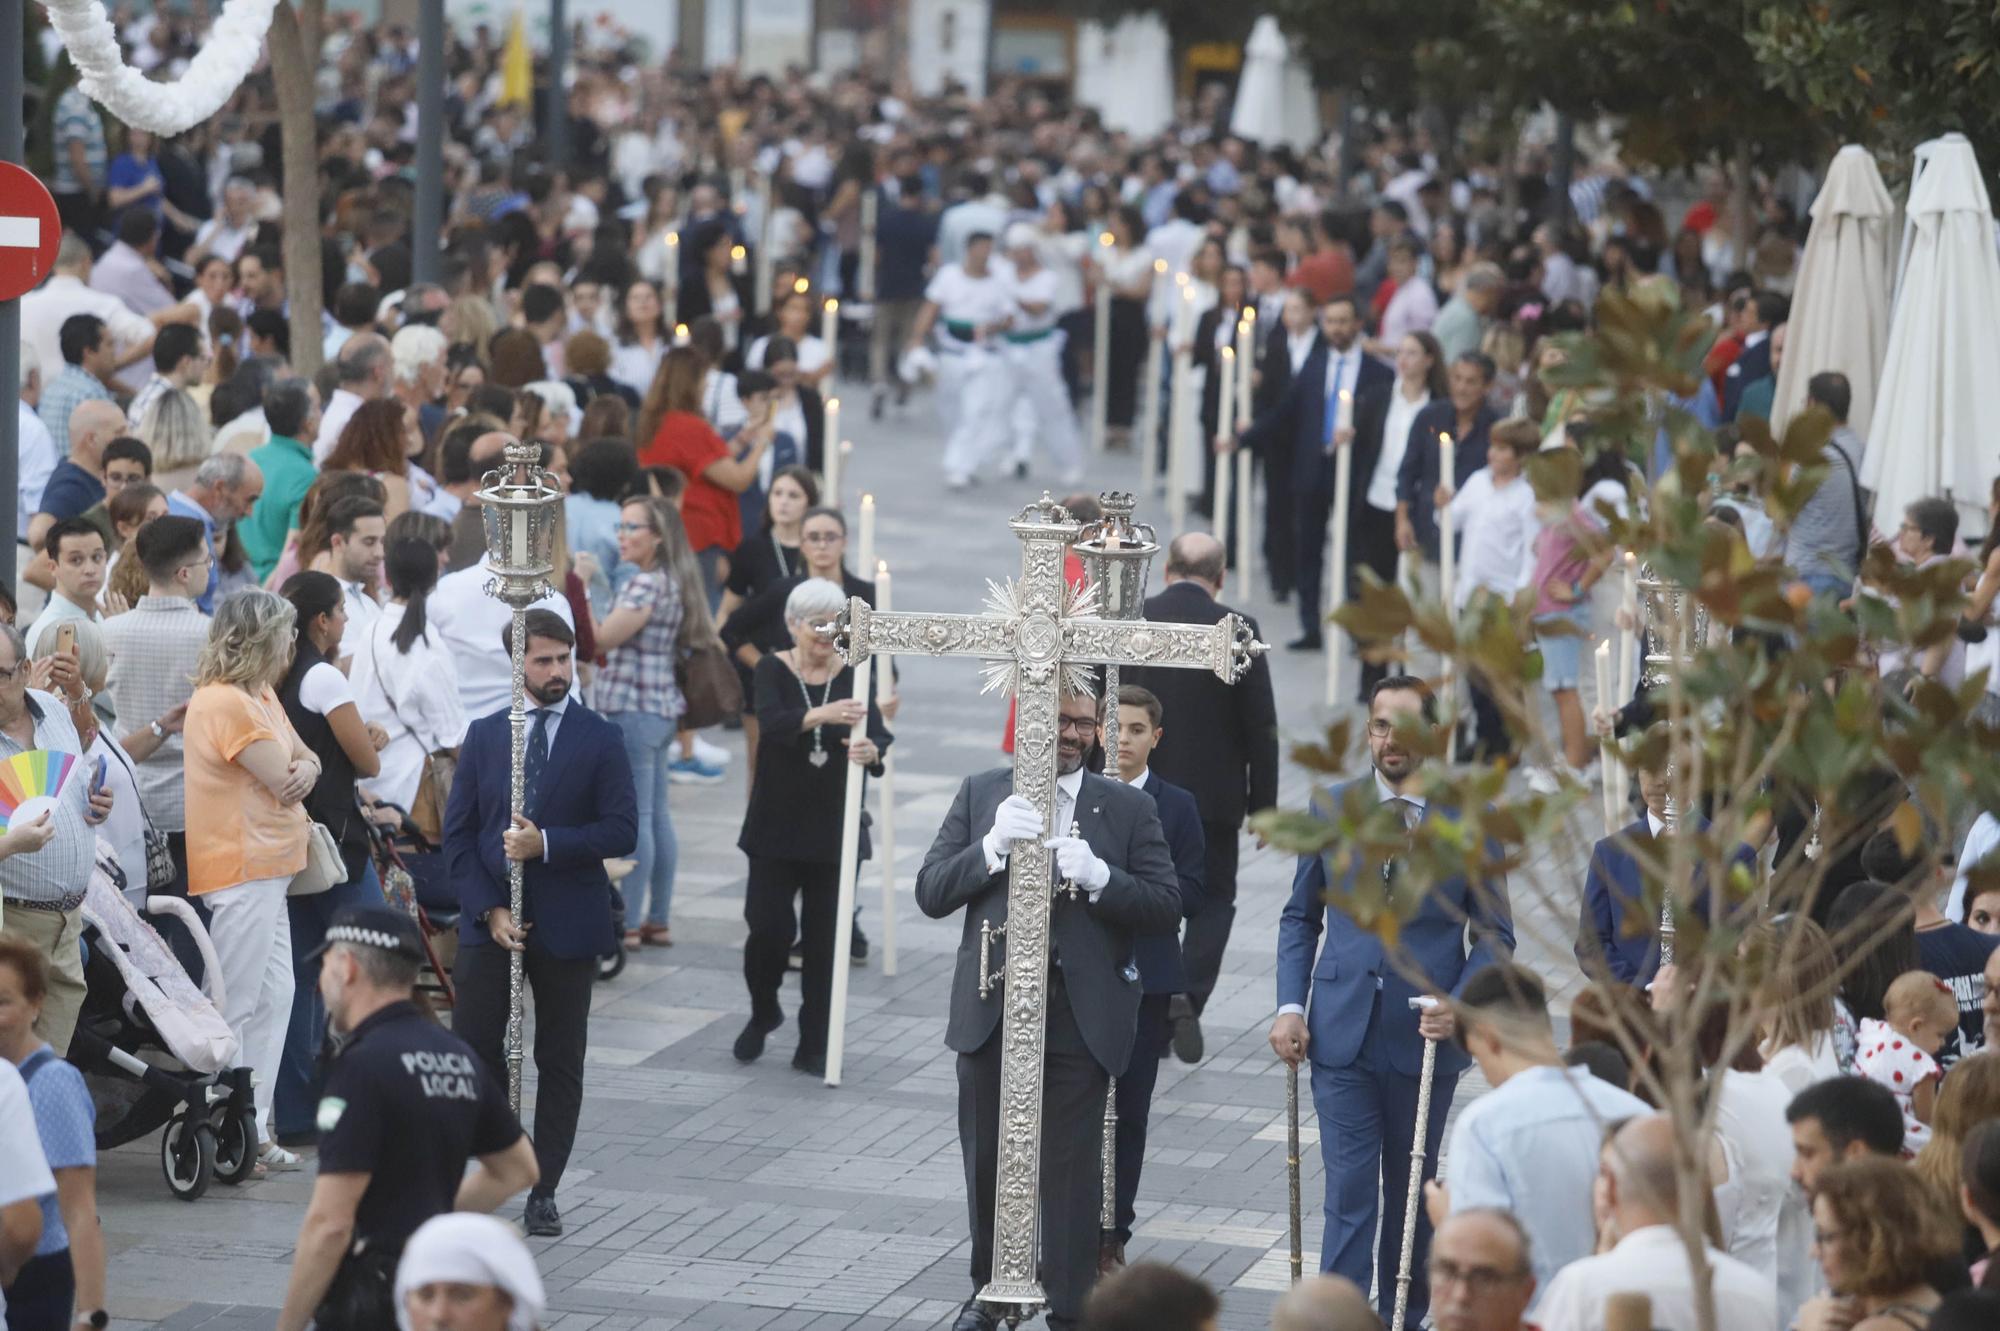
(1158, 956)
(1301, 413)
(1609, 940)
(586, 808)
(1417, 481)
(1336, 983)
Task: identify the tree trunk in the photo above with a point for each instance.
(296, 32)
(1742, 228)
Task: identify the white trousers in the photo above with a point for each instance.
(972, 398)
(1035, 373)
(252, 932)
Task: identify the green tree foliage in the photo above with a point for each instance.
(1884, 73)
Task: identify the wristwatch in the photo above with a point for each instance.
(97, 1321)
(159, 732)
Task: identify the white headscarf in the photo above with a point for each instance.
(468, 1249)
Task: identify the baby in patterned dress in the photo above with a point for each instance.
(1901, 1052)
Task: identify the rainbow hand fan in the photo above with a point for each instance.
(30, 783)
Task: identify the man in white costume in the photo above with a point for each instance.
(1032, 348)
(968, 305)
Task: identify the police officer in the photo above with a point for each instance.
(406, 1104)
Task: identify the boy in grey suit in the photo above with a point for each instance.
(1120, 861)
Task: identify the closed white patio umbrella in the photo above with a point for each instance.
(1933, 431)
(1274, 95)
(1841, 303)
(1126, 72)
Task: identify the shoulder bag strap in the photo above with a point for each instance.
(382, 681)
(1861, 523)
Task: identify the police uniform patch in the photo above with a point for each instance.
(330, 1110)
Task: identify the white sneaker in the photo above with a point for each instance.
(712, 754)
(276, 1157)
(1542, 780)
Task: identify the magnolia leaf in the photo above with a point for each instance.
(1908, 825)
(1294, 832)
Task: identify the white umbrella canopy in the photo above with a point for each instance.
(1126, 73)
(1932, 429)
(1841, 303)
(1274, 95)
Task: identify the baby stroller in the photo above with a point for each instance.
(153, 1047)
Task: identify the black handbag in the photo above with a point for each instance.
(362, 1294)
(160, 869)
(709, 686)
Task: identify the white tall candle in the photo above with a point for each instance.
(1336, 574)
(1100, 348)
(1225, 470)
(865, 544)
(864, 275)
(671, 287)
(830, 454)
(885, 690)
(1186, 421)
(1607, 764)
(1241, 459)
(1448, 584)
(829, 333)
(1343, 415)
(1246, 359)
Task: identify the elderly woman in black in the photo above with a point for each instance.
(806, 714)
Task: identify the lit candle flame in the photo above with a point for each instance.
(832, 305)
(1159, 265)
(737, 252)
(673, 239)
(1106, 239)
(1229, 353)
(800, 285)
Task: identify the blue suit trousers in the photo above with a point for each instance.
(1367, 1120)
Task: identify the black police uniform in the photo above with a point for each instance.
(407, 1103)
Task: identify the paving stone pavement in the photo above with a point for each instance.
(705, 1194)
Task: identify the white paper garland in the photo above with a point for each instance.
(234, 44)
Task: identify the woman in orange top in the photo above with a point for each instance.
(247, 771)
(678, 436)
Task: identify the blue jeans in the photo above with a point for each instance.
(649, 745)
(295, 1099)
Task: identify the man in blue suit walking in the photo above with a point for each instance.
(1346, 1004)
(580, 810)
(1162, 973)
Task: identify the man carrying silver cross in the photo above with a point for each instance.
(1114, 880)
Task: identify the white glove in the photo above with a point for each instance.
(1015, 820)
(1078, 863)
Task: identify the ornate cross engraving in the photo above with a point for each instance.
(1036, 636)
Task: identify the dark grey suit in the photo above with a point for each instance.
(1093, 1008)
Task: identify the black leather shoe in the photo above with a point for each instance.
(541, 1219)
(1186, 1028)
(857, 947)
(1310, 642)
(976, 1316)
(813, 1063)
(750, 1044)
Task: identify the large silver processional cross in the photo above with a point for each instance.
(1037, 636)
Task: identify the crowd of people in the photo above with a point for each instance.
(252, 599)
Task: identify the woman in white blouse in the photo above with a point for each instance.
(794, 321)
(1128, 267)
(642, 337)
(404, 678)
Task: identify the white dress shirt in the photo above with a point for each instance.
(44, 309)
(37, 463)
(1756, 1141)
(1530, 1146)
(473, 626)
(363, 610)
(1298, 346)
(1395, 443)
(1979, 843)
(340, 409)
(1343, 368)
(1498, 525)
(1651, 1261)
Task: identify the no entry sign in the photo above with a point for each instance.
(29, 231)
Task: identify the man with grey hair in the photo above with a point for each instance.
(364, 367)
(1482, 1272)
(226, 234)
(225, 488)
(37, 447)
(1324, 1303)
(417, 352)
(1461, 324)
(52, 852)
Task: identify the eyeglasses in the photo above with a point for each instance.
(1481, 1280)
(1076, 725)
(824, 537)
(1381, 727)
(635, 528)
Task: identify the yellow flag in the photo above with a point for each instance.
(517, 66)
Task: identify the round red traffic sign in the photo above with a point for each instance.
(29, 231)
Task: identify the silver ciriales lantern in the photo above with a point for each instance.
(1676, 626)
(1116, 555)
(518, 501)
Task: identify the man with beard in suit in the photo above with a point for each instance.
(1115, 881)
